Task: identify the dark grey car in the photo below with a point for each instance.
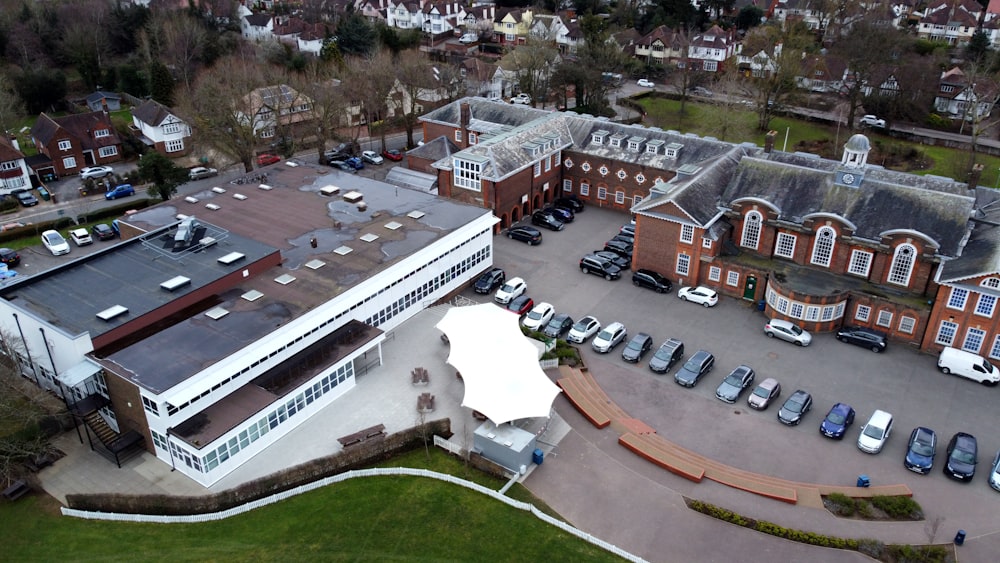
(795, 407)
(666, 355)
(558, 326)
(733, 385)
(637, 347)
(696, 367)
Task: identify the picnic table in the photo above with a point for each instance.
(420, 376)
(425, 403)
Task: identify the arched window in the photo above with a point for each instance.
(992, 283)
(751, 230)
(902, 264)
(823, 246)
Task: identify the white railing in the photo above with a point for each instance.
(374, 472)
(452, 447)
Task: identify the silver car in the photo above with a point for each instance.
(765, 392)
(787, 331)
(608, 338)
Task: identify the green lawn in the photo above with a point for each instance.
(370, 519)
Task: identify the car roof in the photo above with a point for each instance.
(922, 432)
(515, 280)
(589, 318)
(802, 393)
(614, 326)
(703, 354)
(769, 383)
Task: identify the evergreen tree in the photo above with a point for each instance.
(161, 83)
(355, 36)
(162, 173)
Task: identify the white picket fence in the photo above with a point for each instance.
(375, 472)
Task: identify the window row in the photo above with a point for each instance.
(804, 311)
(973, 340)
(985, 302)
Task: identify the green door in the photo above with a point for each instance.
(750, 288)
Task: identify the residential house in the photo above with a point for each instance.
(304, 36)
(515, 65)
(561, 29)
(257, 27)
(951, 21)
(76, 141)
(479, 19)
(478, 75)
(958, 99)
(661, 46)
(433, 18)
(512, 25)
(104, 101)
(822, 73)
(14, 172)
(161, 129)
(278, 110)
(708, 50)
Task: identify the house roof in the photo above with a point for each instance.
(981, 255)
(434, 150)
(666, 36)
(258, 20)
(152, 112)
(482, 109)
(44, 129)
(8, 152)
(79, 126)
(101, 95)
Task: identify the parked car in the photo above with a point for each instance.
(490, 280)
(962, 457)
(9, 257)
(25, 198)
(583, 329)
(875, 432)
(547, 220)
(521, 305)
(102, 232)
(200, 172)
(530, 235)
(702, 91)
(627, 229)
(393, 155)
(607, 339)
(355, 163)
(642, 82)
(871, 121)
(123, 190)
(564, 215)
(701, 295)
(539, 316)
(624, 237)
(695, 368)
(371, 157)
(620, 248)
(467, 38)
(865, 337)
(734, 384)
(787, 331)
(637, 347)
(620, 261)
(342, 165)
(95, 172)
(55, 243)
(994, 478)
(652, 280)
(80, 237)
(514, 287)
(837, 421)
(795, 407)
(570, 202)
(267, 158)
(558, 326)
(920, 450)
(522, 99)
(765, 392)
(666, 355)
(591, 264)
(968, 365)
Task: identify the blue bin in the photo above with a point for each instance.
(864, 481)
(537, 456)
(761, 305)
(960, 537)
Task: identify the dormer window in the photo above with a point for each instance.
(651, 149)
(597, 137)
(617, 140)
(101, 133)
(634, 142)
(673, 149)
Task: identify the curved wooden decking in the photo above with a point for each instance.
(583, 391)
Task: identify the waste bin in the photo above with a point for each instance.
(960, 537)
(761, 305)
(537, 456)
(864, 481)
(43, 193)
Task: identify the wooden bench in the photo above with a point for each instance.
(425, 403)
(17, 490)
(361, 435)
(662, 456)
(420, 376)
(590, 410)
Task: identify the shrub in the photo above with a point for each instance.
(864, 509)
(898, 506)
(843, 505)
(871, 548)
(922, 554)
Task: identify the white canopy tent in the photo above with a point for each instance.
(498, 364)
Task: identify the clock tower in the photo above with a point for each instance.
(852, 165)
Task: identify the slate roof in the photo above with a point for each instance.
(981, 255)
(481, 108)
(152, 112)
(8, 152)
(44, 129)
(434, 150)
(99, 95)
(79, 125)
(258, 20)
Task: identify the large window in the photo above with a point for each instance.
(985, 305)
(65, 145)
(714, 273)
(957, 298)
(751, 230)
(862, 313)
(683, 264)
(112, 151)
(584, 189)
(567, 185)
(175, 146)
(69, 162)
(619, 197)
(946, 333)
(172, 128)
(973, 340)
(602, 192)
(884, 318)
(785, 246)
(902, 264)
(467, 174)
(861, 263)
(907, 324)
(732, 278)
(995, 350)
(687, 233)
(823, 246)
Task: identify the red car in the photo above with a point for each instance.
(521, 305)
(266, 158)
(392, 154)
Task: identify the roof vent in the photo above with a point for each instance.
(393, 225)
(343, 250)
(191, 199)
(329, 190)
(185, 231)
(112, 312)
(231, 257)
(315, 264)
(285, 279)
(264, 187)
(369, 237)
(175, 283)
(415, 214)
(216, 313)
(207, 241)
(353, 196)
(219, 190)
(212, 207)
(240, 197)
(252, 295)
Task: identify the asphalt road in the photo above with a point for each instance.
(901, 381)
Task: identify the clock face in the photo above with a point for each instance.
(848, 178)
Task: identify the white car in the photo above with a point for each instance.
(583, 329)
(94, 172)
(513, 288)
(537, 318)
(872, 121)
(521, 98)
(372, 157)
(608, 338)
(994, 478)
(55, 243)
(787, 331)
(81, 237)
(700, 294)
(469, 38)
(199, 172)
(875, 432)
(646, 83)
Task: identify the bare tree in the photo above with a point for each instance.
(417, 76)
(10, 105)
(371, 81)
(866, 48)
(181, 41)
(532, 65)
(319, 83)
(728, 120)
(776, 60)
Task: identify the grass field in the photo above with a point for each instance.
(374, 519)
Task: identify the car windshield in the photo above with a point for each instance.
(605, 335)
(873, 431)
(793, 405)
(53, 238)
(734, 380)
(835, 418)
(662, 354)
(581, 326)
(535, 315)
(635, 345)
(693, 365)
(795, 330)
(507, 288)
(963, 456)
(762, 391)
(922, 448)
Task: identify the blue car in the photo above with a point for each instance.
(920, 450)
(564, 215)
(355, 163)
(123, 190)
(840, 417)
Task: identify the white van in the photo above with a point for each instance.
(875, 432)
(969, 365)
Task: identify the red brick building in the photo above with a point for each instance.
(76, 141)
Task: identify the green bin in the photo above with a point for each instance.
(44, 193)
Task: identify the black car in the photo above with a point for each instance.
(25, 198)
(627, 229)
(666, 355)
(637, 347)
(558, 326)
(652, 280)
(570, 202)
(9, 257)
(620, 248)
(795, 407)
(626, 238)
(343, 166)
(102, 232)
(620, 261)
(696, 367)
(490, 280)
(596, 265)
(564, 215)
(530, 235)
(865, 337)
(962, 456)
(920, 450)
(547, 220)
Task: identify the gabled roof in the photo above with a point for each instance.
(44, 129)
(437, 149)
(8, 152)
(258, 20)
(666, 36)
(78, 125)
(100, 95)
(152, 113)
(485, 110)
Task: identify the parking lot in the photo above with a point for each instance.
(901, 380)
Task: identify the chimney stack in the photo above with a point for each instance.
(465, 114)
(769, 141)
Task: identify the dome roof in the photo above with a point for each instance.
(858, 143)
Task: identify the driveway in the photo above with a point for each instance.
(901, 381)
